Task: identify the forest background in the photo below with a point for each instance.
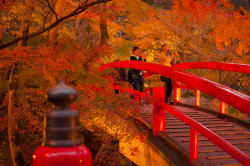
(45, 41)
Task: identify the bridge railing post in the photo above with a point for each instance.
(176, 93)
(158, 112)
(197, 98)
(222, 107)
(62, 140)
(193, 154)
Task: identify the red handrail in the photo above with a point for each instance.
(213, 137)
(216, 139)
(242, 68)
(170, 72)
(230, 96)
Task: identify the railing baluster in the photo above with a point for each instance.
(158, 112)
(197, 98)
(176, 93)
(193, 145)
(222, 107)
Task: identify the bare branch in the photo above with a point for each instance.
(49, 6)
(77, 11)
(84, 3)
(45, 18)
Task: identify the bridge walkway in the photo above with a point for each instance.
(209, 154)
(225, 132)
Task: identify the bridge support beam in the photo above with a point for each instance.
(158, 112)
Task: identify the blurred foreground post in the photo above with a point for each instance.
(62, 143)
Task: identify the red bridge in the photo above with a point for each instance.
(203, 136)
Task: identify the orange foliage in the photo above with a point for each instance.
(99, 107)
(6, 4)
(229, 23)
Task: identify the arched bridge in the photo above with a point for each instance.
(205, 137)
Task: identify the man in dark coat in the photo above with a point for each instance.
(135, 76)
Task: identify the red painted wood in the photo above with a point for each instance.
(242, 68)
(213, 137)
(193, 145)
(158, 112)
(62, 156)
(222, 107)
(197, 98)
(228, 95)
(176, 92)
(232, 97)
(216, 139)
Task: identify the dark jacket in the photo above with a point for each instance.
(134, 71)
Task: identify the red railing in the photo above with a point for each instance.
(196, 127)
(195, 82)
(242, 68)
(228, 95)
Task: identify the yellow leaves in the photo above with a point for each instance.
(220, 46)
(196, 32)
(243, 48)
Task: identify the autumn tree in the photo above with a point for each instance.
(68, 40)
(66, 60)
(13, 101)
(79, 8)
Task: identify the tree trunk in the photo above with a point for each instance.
(53, 34)
(16, 151)
(103, 26)
(92, 56)
(25, 22)
(4, 78)
(53, 38)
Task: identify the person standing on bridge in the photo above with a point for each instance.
(135, 76)
(167, 59)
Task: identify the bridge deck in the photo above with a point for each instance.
(209, 153)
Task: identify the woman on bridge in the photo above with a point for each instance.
(167, 59)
